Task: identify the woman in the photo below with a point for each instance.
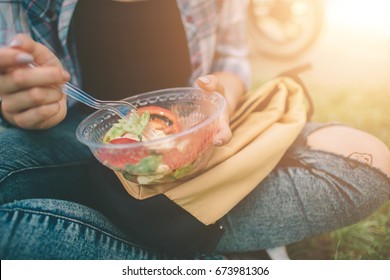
(114, 49)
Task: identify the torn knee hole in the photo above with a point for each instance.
(352, 143)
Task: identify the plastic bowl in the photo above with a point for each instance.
(175, 157)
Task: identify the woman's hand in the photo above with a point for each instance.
(31, 97)
(211, 83)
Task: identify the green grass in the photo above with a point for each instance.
(369, 239)
(366, 109)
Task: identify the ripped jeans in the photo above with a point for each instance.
(309, 193)
(47, 211)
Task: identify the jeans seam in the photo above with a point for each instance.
(34, 212)
(9, 174)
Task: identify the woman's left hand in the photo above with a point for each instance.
(211, 83)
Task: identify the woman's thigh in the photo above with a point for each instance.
(311, 191)
(57, 229)
(50, 163)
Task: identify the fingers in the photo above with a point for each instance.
(224, 134)
(11, 58)
(223, 137)
(210, 83)
(14, 73)
(34, 97)
(38, 117)
(27, 77)
(31, 96)
(42, 55)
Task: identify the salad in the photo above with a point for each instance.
(163, 163)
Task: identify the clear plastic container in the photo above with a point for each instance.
(164, 160)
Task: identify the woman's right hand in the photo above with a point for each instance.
(31, 97)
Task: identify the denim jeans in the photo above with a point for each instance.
(47, 211)
(309, 193)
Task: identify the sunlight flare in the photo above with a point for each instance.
(360, 15)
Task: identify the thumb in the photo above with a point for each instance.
(224, 133)
(210, 83)
(42, 55)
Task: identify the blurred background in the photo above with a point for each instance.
(347, 42)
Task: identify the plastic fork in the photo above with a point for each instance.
(110, 105)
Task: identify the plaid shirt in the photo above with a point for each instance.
(215, 29)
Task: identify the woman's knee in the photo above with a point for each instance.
(352, 143)
(27, 150)
(41, 164)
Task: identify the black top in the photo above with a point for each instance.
(129, 48)
(126, 49)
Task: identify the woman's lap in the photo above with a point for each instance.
(44, 188)
(44, 164)
(309, 193)
(47, 206)
(57, 229)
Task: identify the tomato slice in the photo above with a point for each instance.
(119, 159)
(173, 158)
(162, 119)
(122, 140)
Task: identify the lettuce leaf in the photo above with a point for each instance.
(132, 124)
